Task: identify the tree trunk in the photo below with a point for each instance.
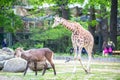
(104, 24)
(63, 10)
(113, 22)
(78, 12)
(92, 17)
(1, 35)
(91, 27)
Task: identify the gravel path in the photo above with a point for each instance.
(105, 59)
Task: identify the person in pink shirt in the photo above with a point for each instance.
(105, 48)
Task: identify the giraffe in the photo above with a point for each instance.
(80, 38)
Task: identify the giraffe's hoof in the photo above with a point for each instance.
(86, 72)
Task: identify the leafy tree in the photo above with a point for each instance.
(10, 22)
(60, 6)
(113, 21)
(58, 39)
(52, 34)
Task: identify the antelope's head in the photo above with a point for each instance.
(57, 21)
(18, 52)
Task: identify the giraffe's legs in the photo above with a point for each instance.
(74, 63)
(83, 66)
(89, 51)
(89, 62)
(75, 58)
(79, 58)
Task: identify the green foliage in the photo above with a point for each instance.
(36, 2)
(58, 39)
(9, 21)
(40, 45)
(84, 24)
(6, 3)
(118, 43)
(53, 34)
(40, 2)
(16, 45)
(97, 5)
(76, 1)
(26, 44)
(92, 23)
(118, 7)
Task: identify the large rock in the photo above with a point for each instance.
(5, 57)
(0, 51)
(2, 64)
(5, 54)
(8, 51)
(15, 65)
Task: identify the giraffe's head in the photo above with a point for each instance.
(57, 21)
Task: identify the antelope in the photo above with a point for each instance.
(36, 55)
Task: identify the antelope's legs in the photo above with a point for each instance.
(44, 69)
(26, 67)
(35, 66)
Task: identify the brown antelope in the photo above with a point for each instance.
(80, 38)
(36, 55)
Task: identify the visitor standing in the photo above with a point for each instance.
(4, 43)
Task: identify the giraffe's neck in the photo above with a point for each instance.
(69, 25)
(72, 26)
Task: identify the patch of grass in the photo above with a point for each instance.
(99, 71)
